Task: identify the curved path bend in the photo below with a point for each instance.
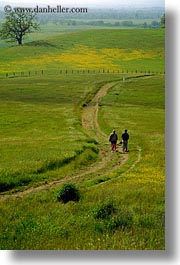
(108, 162)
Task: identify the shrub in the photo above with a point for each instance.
(104, 210)
(14, 181)
(4, 186)
(123, 220)
(68, 192)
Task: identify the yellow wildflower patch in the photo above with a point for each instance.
(126, 55)
(83, 57)
(79, 57)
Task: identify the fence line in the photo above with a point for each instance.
(77, 72)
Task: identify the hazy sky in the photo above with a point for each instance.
(87, 3)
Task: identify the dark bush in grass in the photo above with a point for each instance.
(14, 181)
(68, 192)
(100, 180)
(104, 210)
(4, 186)
(92, 141)
(123, 220)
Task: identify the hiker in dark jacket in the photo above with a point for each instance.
(125, 138)
(113, 139)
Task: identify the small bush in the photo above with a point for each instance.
(4, 186)
(123, 220)
(104, 210)
(92, 141)
(68, 192)
(14, 181)
(100, 180)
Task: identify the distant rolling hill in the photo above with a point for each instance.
(125, 49)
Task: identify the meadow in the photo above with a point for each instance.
(89, 50)
(41, 127)
(43, 142)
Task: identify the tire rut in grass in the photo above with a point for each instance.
(108, 161)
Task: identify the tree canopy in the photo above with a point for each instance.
(17, 25)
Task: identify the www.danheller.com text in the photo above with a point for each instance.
(47, 9)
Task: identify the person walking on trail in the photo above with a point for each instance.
(125, 138)
(113, 139)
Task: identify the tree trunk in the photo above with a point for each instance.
(20, 41)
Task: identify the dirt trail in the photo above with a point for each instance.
(108, 161)
(89, 116)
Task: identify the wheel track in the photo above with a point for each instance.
(92, 128)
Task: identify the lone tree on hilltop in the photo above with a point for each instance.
(17, 25)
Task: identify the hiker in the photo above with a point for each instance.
(125, 138)
(113, 139)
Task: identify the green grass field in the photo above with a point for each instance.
(43, 143)
(41, 127)
(89, 50)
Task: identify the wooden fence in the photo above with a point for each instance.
(76, 72)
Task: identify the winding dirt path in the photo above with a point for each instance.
(108, 162)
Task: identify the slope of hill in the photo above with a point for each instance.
(132, 50)
(55, 128)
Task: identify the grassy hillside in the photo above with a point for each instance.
(53, 131)
(118, 211)
(41, 127)
(138, 105)
(138, 49)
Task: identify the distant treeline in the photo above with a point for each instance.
(124, 17)
(108, 18)
(102, 23)
(116, 14)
